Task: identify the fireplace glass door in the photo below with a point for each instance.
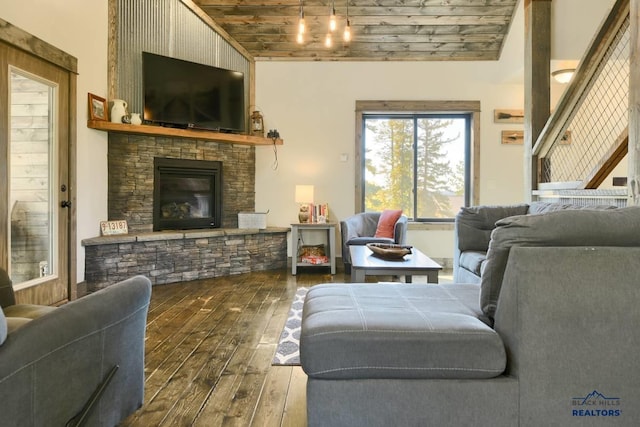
(187, 194)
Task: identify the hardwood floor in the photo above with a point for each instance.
(209, 348)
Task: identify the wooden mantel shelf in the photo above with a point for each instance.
(182, 133)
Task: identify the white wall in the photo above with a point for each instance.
(573, 25)
(78, 27)
(312, 106)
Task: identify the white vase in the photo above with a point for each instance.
(135, 119)
(118, 110)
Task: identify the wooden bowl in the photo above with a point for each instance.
(389, 251)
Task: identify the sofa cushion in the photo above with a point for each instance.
(473, 261)
(544, 207)
(397, 331)
(584, 227)
(3, 327)
(475, 223)
(387, 223)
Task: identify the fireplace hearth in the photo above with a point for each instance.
(187, 194)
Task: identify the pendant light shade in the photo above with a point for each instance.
(333, 23)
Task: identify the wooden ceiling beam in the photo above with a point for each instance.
(364, 38)
(356, 3)
(537, 103)
(345, 53)
(355, 47)
(369, 20)
(494, 32)
(322, 11)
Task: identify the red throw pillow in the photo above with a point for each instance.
(387, 223)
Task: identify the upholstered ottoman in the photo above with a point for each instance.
(397, 331)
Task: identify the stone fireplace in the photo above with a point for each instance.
(180, 255)
(132, 176)
(187, 194)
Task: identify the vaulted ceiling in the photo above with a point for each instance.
(396, 30)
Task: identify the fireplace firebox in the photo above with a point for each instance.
(187, 194)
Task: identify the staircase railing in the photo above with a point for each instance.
(587, 135)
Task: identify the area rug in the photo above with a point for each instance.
(288, 351)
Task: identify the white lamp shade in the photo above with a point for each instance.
(304, 193)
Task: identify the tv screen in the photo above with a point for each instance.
(186, 94)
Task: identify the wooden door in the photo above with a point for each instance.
(34, 165)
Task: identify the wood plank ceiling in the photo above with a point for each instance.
(398, 30)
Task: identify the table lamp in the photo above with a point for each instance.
(304, 196)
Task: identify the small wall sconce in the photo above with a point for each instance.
(304, 196)
(563, 76)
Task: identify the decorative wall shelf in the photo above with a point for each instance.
(230, 138)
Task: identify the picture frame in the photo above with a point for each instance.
(508, 116)
(97, 108)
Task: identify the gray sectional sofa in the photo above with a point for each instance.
(549, 337)
(473, 227)
(54, 361)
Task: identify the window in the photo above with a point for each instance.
(417, 159)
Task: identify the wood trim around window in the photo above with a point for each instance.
(416, 107)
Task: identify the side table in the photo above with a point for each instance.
(297, 228)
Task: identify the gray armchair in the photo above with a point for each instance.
(78, 364)
(360, 229)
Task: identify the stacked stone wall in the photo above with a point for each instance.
(167, 257)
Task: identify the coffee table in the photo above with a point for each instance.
(365, 263)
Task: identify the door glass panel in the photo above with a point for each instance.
(32, 201)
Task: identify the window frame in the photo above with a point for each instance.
(370, 108)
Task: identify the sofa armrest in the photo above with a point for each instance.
(7, 296)
(473, 226)
(349, 229)
(352, 227)
(567, 316)
(50, 366)
(400, 231)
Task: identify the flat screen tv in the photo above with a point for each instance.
(190, 95)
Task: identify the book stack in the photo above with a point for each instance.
(318, 213)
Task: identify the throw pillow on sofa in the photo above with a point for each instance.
(387, 223)
(559, 228)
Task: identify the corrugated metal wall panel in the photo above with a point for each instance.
(167, 27)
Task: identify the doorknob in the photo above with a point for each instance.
(65, 204)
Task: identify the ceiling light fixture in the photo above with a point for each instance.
(301, 25)
(563, 76)
(347, 29)
(333, 24)
(327, 40)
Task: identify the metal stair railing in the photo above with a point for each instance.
(587, 134)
